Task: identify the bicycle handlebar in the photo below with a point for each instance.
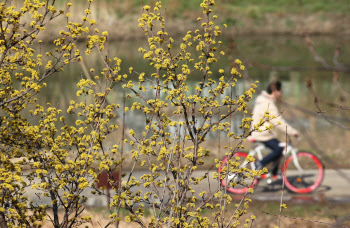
(290, 140)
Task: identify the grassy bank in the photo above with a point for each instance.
(248, 7)
(251, 17)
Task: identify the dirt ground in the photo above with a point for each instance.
(306, 215)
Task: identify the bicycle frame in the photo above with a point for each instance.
(288, 148)
(298, 180)
(259, 147)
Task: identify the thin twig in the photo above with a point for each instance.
(121, 155)
(316, 102)
(307, 220)
(250, 63)
(335, 80)
(284, 175)
(320, 152)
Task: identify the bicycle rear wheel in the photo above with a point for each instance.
(237, 183)
(305, 175)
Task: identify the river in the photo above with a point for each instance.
(331, 142)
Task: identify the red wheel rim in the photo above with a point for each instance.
(319, 177)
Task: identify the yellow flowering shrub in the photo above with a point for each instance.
(178, 117)
(65, 159)
(61, 157)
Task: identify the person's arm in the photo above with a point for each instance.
(283, 126)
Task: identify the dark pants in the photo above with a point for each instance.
(274, 156)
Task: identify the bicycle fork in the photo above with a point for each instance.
(296, 162)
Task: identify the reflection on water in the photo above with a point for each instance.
(272, 51)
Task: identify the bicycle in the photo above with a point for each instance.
(302, 171)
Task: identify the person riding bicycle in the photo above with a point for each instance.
(266, 102)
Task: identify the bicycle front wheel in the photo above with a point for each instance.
(304, 173)
(237, 183)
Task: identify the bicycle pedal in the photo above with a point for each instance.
(263, 176)
(276, 177)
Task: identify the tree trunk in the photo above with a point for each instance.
(3, 223)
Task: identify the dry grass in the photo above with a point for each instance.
(306, 215)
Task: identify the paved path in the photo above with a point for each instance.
(335, 187)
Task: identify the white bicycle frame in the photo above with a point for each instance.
(257, 151)
(259, 147)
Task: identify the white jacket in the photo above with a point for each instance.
(265, 102)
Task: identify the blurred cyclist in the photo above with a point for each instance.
(266, 101)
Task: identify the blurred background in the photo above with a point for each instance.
(303, 43)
